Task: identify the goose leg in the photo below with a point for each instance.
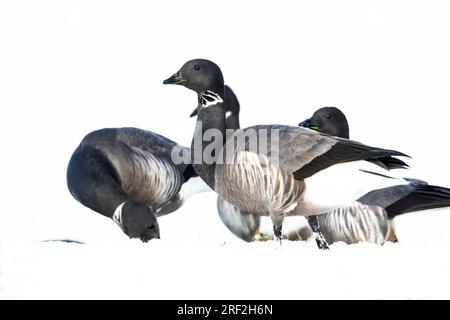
(320, 239)
(277, 231)
(277, 221)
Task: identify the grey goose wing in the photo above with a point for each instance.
(408, 198)
(305, 152)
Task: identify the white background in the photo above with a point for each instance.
(69, 67)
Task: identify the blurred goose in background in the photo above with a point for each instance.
(370, 218)
(332, 121)
(275, 181)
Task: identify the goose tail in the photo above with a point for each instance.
(422, 197)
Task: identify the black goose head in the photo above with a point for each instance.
(139, 221)
(329, 120)
(199, 75)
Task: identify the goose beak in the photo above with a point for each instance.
(194, 113)
(175, 79)
(308, 124)
(305, 123)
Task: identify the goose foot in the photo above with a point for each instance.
(320, 239)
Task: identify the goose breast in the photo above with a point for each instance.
(354, 223)
(253, 183)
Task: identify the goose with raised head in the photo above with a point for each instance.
(127, 174)
(271, 180)
(332, 121)
(248, 226)
(245, 225)
(370, 218)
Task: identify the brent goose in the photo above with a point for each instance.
(332, 121)
(246, 225)
(272, 181)
(370, 217)
(127, 174)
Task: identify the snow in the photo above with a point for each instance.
(68, 68)
(198, 259)
(257, 271)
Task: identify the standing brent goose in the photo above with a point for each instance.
(272, 181)
(127, 174)
(370, 218)
(245, 225)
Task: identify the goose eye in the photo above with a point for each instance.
(328, 116)
(197, 67)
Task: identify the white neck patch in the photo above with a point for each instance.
(209, 98)
(117, 216)
(228, 114)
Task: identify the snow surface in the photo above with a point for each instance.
(198, 258)
(70, 67)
